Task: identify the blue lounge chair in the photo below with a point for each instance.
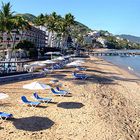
(45, 100)
(5, 115)
(25, 101)
(64, 91)
(61, 93)
(46, 70)
(79, 76)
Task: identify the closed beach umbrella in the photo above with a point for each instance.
(36, 86)
(3, 96)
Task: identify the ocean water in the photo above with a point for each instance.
(129, 63)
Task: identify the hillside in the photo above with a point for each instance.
(131, 38)
(31, 18)
(28, 17)
(82, 26)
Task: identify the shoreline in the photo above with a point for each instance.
(105, 106)
(123, 68)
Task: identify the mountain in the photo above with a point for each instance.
(82, 26)
(131, 38)
(28, 17)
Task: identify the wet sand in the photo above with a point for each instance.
(106, 106)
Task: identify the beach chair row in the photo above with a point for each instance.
(39, 99)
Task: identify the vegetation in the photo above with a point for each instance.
(64, 27)
(11, 24)
(60, 26)
(114, 42)
(131, 38)
(29, 47)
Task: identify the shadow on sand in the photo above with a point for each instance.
(70, 105)
(5, 104)
(33, 123)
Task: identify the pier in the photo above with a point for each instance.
(114, 53)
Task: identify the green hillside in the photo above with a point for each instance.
(80, 26)
(28, 17)
(131, 38)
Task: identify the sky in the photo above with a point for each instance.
(115, 16)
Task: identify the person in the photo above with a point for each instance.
(9, 68)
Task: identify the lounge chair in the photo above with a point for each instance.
(5, 115)
(60, 93)
(64, 91)
(46, 70)
(25, 101)
(45, 100)
(79, 76)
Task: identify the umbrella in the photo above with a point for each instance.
(79, 61)
(48, 62)
(67, 56)
(60, 58)
(51, 53)
(36, 64)
(74, 64)
(36, 86)
(3, 96)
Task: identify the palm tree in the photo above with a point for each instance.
(20, 26)
(51, 23)
(6, 21)
(65, 28)
(6, 17)
(40, 20)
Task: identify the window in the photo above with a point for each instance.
(8, 45)
(1, 38)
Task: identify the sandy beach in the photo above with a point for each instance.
(106, 106)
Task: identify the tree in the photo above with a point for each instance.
(20, 25)
(64, 28)
(28, 47)
(51, 21)
(40, 20)
(6, 20)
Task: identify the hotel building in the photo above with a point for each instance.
(34, 35)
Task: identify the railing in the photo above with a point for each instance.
(12, 66)
(20, 77)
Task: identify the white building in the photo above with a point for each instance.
(94, 33)
(102, 41)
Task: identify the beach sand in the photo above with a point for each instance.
(106, 106)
